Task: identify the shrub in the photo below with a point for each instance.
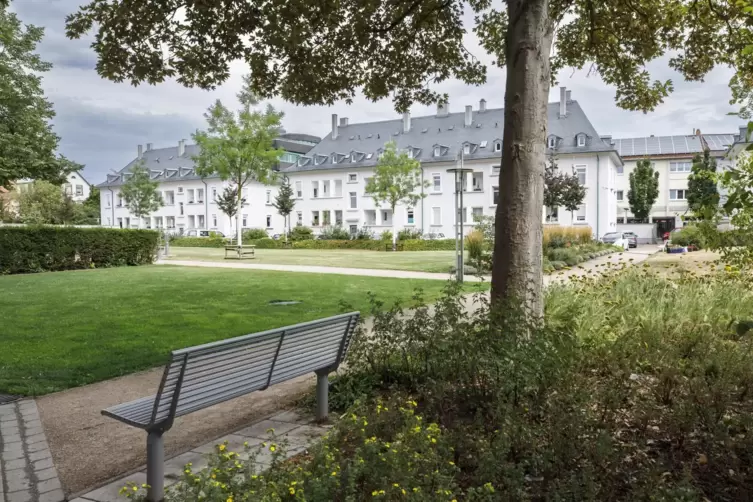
(254, 233)
(42, 248)
(408, 234)
(215, 241)
(386, 235)
(428, 245)
(266, 243)
(301, 233)
(474, 244)
(558, 265)
(334, 233)
(350, 244)
(364, 234)
(557, 237)
(689, 236)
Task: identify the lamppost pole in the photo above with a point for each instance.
(459, 211)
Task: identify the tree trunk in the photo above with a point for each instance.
(394, 231)
(238, 216)
(517, 270)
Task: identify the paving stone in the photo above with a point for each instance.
(42, 445)
(31, 431)
(234, 443)
(264, 456)
(8, 417)
(11, 438)
(110, 493)
(46, 474)
(35, 438)
(14, 455)
(16, 480)
(7, 409)
(15, 464)
(260, 430)
(27, 405)
(39, 455)
(11, 447)
(49, 485)
(53, 496)
(29, 424)
(43, 464)
(175, 466)
(293, 417)
(304, 435)
(24, 496)
(9, 428)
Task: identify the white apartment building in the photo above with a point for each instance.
(75, 186)
(672, 158)
(189, 200)
(329, 181)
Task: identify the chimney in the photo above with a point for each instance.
(148, 147)
(607, 140)
(141, 151)
(468, 115)
(181, 148)
(443, 109)
(569, 97)
(334, 126)
(344, 122)
(697, 132)
(482, 105)
(406, 122)
(563, 102)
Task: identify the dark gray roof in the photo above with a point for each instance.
(164, 164)
(363, 142)
(719, 141)
(672, 145)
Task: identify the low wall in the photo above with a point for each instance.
(646, 232)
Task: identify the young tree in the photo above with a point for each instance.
(41, 203)
(396, 178)
(228, 204)
(362, 46)
(644, 189)
(27, 141)
(561, 189)
(239, 147)
(703, 196)
(140, 193)
(284, 203)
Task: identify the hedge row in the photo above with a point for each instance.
(367, 244)
(43, 248)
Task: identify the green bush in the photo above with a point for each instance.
(558, 265)
(198, 242)
(266, 243)
(301, 233)
(255, 233)
(408, 234)
(428, 245)
(336, 233)
(474, 244)
(689, 236)
(364, 233)
(349, 244)
(386, 235)
(43, 248)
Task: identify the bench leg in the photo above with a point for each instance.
(322, 394)
(155, 467)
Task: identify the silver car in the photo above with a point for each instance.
(617, 238)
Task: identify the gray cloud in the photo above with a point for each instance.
(101, 122)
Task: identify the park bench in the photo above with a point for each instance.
(198, 377)
(241, 251)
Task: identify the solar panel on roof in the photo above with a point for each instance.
(665, 143)
(652, 146)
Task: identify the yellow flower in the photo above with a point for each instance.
(291, 490)
(229, 499)
(222, 447)
(396, 485)
(334, 473)
(433, 440)
(135, 489)
(272, 448)
(214, 476)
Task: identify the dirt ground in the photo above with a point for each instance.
(89, 449)
(696, 261)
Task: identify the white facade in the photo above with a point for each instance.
(190, 205)
(75, 186)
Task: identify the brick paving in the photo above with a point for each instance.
(297, 429)
(27, 473)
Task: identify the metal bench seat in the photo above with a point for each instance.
(199, 377)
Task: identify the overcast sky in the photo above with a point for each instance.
(101, 122)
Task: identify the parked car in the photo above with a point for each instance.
(203, 233)
(619, 239)
(632, 238)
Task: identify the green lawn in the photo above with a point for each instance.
(422, 261)
(64, 329)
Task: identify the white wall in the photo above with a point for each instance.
(646, 232)
(77, 187)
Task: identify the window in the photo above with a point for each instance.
(437, 182)
(478, 182)
(366, 182)
(353, 229)
(326, 218)
(462, 214)
(315, 189)
(580, 214)
(315, 218)
(190, 196)
(353, 200)
(466, 149)
(79, 189)
(338, 188)
(120, 222)
(200, 195)
(269, 221)
(551, 141)
(353, 178)
(338, 218)
(108, 200)
(299, 218)
(191, 219)
(436, 215)
(552, 214)
(495, 196)
(325, 188)
(269, 197)
(214, 221)
(580, 171)
(477, 212)
(498, 146)
(620, 220)
(437, 151)
(120, 201)
(181, 208)
(200, 219)
(298, 190)
(68, 189)
(245, 221)
(411, 220)
(334, 158)
(581, 139)
(214, 194)
(180, 189)
(620, 170)
(678, 194)
(679, 167)
(620, 195)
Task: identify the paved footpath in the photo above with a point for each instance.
(26, 470)
(292, 426)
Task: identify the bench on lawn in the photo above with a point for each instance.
(241, 251)
(199, 377)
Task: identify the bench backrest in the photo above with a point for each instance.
(204, 375)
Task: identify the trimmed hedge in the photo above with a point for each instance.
(47, 248)
(367, 244)
(197, 242)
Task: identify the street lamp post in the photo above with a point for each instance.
(459, 211)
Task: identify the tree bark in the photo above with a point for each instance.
(238, 229)
(394, 231)
(517, 270)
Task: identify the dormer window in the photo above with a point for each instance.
(551, 141)
(334, 158)
(581, 139)
(437, 151)
(467, 149)
(497, 146)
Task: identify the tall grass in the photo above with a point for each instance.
(557, 237)
(474, 244)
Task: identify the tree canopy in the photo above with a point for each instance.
(140, 192)
(644, 189)
(285, 202)
(27, 143)
(703, 196)
(562, 189)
